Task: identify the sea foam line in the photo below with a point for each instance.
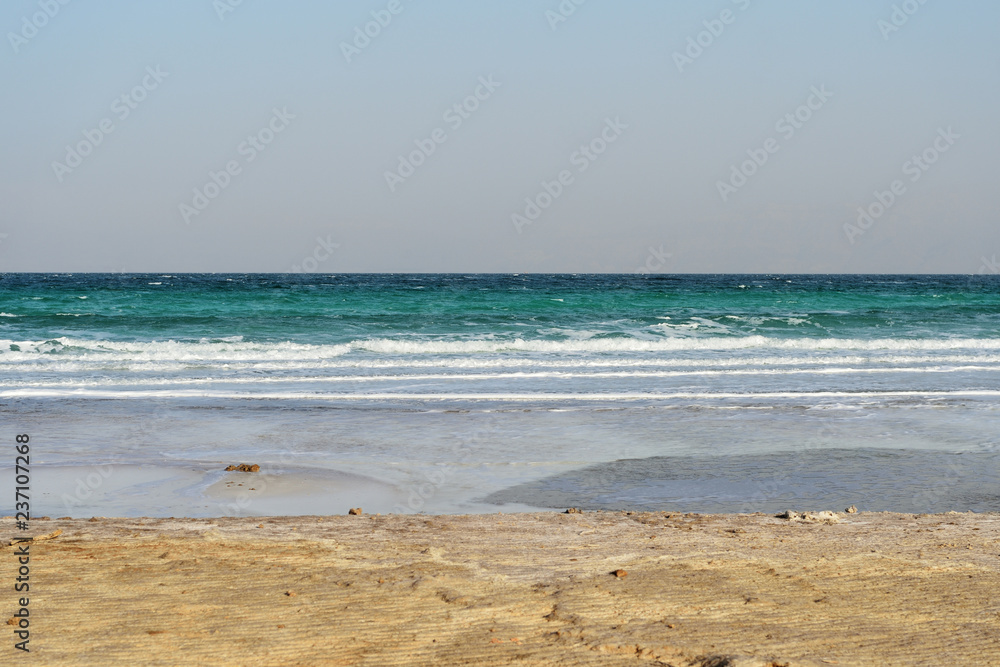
(129, 381)
(236, 351)
(538, 396)
(84, 363)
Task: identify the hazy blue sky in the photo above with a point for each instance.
(201, 77)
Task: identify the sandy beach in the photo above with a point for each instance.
(498, 589)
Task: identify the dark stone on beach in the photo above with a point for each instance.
(737, 661)
(244, 467)
(355, 511)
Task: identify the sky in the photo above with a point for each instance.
(716, 136)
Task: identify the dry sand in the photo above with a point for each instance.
(533, 589)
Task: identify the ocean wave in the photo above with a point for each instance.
(233, 349)
(26, 366)
(132, 379)
(630, 345)
(236, 349)
(492, 396)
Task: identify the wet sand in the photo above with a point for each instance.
(198, 489)
(499, 589)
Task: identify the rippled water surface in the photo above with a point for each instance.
(466, 391)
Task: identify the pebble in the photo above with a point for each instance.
(244, 467)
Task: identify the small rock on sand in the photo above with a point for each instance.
(851, 510)
(244, 467)
(355, 511)
(739, 661)
(620, 573)
(573, 510)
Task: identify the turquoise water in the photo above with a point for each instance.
(457, 387)
(351, 309)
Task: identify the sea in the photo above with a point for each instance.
(466, 393)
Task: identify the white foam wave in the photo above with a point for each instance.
(235, 349)
(490, 396)
(131, 379)
(231, 349)
(633, 345)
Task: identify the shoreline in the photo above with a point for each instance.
(874, 479)
(525, 588)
